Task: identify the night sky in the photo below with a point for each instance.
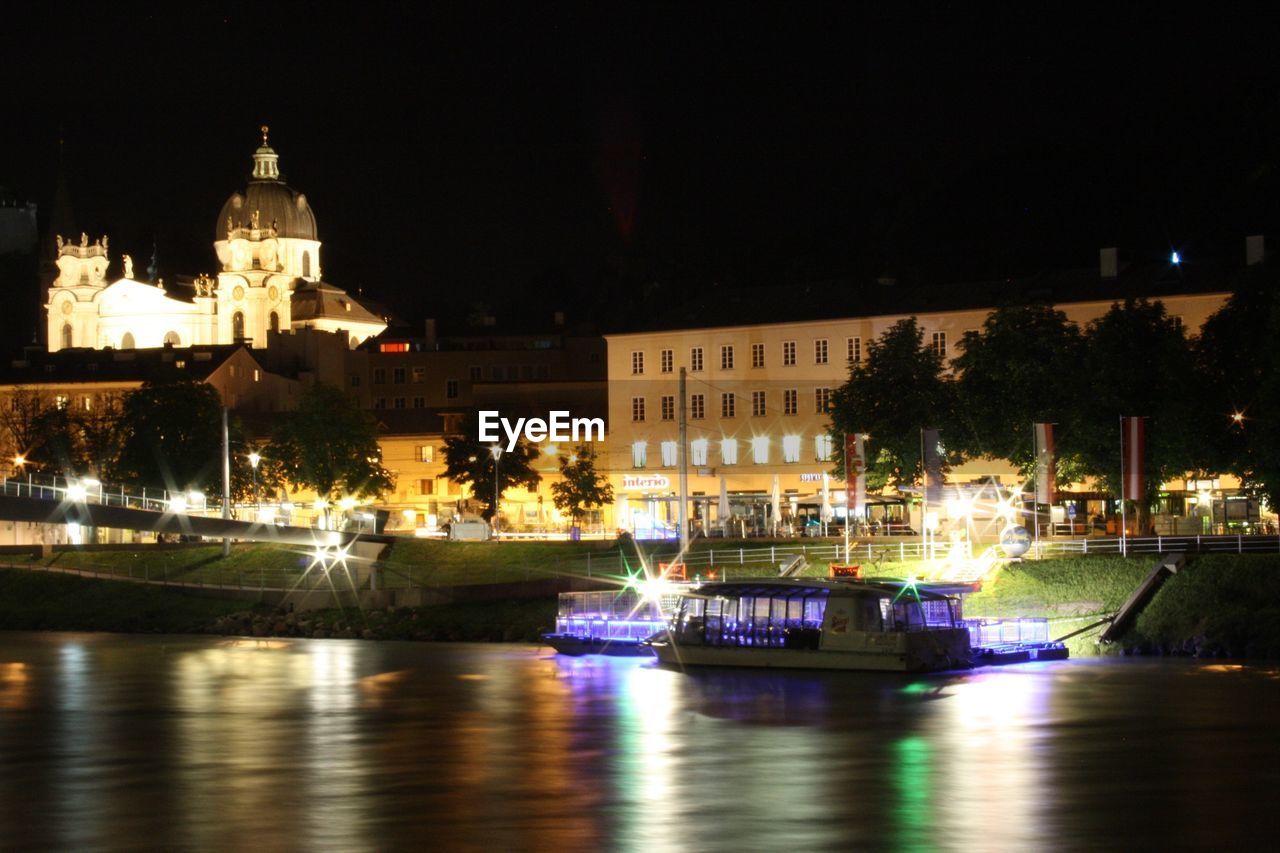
(590, 157)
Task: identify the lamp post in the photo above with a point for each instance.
(496, 451)
(254, 459)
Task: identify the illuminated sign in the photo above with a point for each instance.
(639, 483)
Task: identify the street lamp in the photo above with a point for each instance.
(496, 450)
(254, 459)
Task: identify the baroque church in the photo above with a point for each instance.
(269, 281)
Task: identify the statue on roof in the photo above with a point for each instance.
(59, 239)
(128, 266)
(84, 240)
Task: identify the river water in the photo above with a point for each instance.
(113, 741)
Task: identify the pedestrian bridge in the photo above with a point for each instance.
(63, 502)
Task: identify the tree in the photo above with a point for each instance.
(1138, 363)
(20, 421)
(172, 437)
(581, 487)
(896, 393)
(468, 461)
(330, 445)
(1023, 367)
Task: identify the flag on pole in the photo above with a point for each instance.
(1133, 433)
(1046, 488)
(855, 478)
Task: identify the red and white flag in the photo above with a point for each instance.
(1046, 488)
(855, 478)
(1133, 441)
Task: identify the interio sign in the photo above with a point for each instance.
(645, 483)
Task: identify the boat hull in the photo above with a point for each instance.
(769, 658)
(567, 644)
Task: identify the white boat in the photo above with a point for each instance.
(810, 623)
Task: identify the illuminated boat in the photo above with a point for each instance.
(611, 622)
(809, 623)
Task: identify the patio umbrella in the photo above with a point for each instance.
(776, 504)
(724, 506)
(826, 499)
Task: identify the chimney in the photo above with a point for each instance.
(1107, 262)
(1254, 250)
(429, 335)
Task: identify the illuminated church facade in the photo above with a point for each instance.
(269, 281)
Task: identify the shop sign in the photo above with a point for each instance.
(649, 483)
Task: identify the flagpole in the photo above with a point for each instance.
(848, 498)
(1035, 483)
(1122, 485)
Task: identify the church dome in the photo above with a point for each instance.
(276, 204)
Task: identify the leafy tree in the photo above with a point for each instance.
(581, 487)
(898, 391)
(1023, 367)
(1137, 362)
(19, 419)
(172, 437)
(1238, 392)
(468, 461)
(330, 445)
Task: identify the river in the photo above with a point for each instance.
(111, 741)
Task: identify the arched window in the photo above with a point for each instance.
(306, 265)
(275, 322)
(66, 335)
(127, 341)
(237, 326)
(172, 339)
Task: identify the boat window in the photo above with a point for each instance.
(815, 607)
(871, 617)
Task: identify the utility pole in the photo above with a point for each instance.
(682, 449)
(226, 480)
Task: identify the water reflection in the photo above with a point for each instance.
(210, 744)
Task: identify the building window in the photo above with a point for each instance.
(822, 400)
(727, 407)
(475, 373)
(822, 448)
(543, 372)
(757, 404)
(274, 322)
(257, 375)
(379, 376)
(427, 486)
(86, 403)
(398, 402)
(172, 339)
(127, 341)
(426, 453)
(637, 408)
(637, 362)
(419, 402)
(698, 451)
(1177, 321)
(695, 359)
(306, 265)
(789, 398)
(726, 358)
(791, 448)
(61, 401)
(380, 403)
(668, 407)
(451, 389)
(757, 355)
(855, 350)
(760, 449)
(668, 454)
(397, 376)
(237, 326)
(66, 335)
(940, 344)
(788, 353)
(355, 380)
(496, 373)
(820, 351)
(419, 375)
(667, 361)
(729, 451)
(639, 454)
(697, 406)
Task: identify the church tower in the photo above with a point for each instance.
(266, 243)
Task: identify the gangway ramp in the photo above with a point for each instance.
(793, 567)
(1167, 565)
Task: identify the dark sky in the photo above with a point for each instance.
(594, 156)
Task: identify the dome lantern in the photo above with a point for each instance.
(266, 162)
